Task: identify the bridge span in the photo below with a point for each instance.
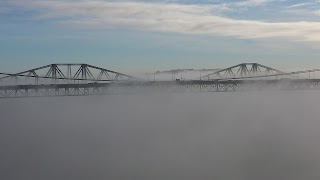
(156, 86)
(84, 80)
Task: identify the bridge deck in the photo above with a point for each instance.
(150, 86)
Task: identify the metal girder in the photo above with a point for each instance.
(290, 74)
(67, 73)
(242, 70)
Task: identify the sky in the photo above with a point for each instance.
(138, 36)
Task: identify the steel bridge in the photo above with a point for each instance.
(85, 79)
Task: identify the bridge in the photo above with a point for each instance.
(85, 79)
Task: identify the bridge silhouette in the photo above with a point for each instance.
(85, 79)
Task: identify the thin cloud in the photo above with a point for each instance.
(175, 18)
(299, 5)
(249, 3)
(303, 9)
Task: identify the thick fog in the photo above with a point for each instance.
(188, 136)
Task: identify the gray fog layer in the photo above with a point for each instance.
(200, 136)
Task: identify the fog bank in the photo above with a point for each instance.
(188, 136)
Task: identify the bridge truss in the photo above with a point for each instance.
(63, 73)
(84, 79)
(241, 71)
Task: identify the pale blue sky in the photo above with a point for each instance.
(143, 36)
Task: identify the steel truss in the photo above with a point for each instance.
(84, 79)
(64, 73)
(242, 70)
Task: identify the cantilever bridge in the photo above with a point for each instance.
(85, 79)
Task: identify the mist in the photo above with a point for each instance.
(187, 136)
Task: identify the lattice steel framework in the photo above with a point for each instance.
(84, 79)
(241, 71)
(65, 73)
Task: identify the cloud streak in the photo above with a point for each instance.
(173, 18)
(303, 9)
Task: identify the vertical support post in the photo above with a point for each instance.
(69, 76)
